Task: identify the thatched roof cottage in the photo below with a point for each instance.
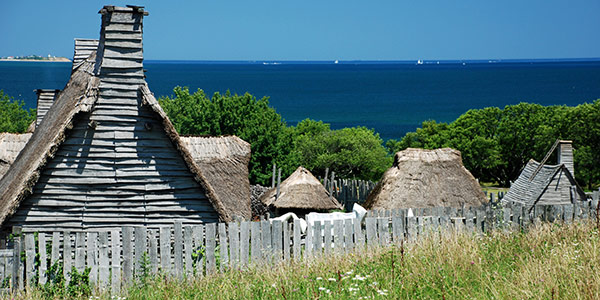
(426, 178)
(106, 155)
(544, 184)
(224, 162)
(300, 193)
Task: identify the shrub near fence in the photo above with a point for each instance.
(117, 257)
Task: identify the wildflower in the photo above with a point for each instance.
(472, 263)
(382, 292)
(273, 285)
(331, 279)
(319, 278)
(321, 288)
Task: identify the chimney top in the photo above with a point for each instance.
(129, 9)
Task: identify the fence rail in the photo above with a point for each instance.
(116, 257)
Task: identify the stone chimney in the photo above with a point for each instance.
(83, 49)
(565, 155)
(120, 51)
(45, 99)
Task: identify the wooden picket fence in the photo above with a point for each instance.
(117, 257)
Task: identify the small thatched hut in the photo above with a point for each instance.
(300, 193)
(426, 178)
(224, 162)
(544, 184)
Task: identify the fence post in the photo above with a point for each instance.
(29, 259)
(92, 254)
(371, 224)
(116, 261)
(67, 259)
(211, 263)
(127, 253)
(43, 257)
(244, 243)
(17, 274)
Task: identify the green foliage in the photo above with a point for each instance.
(245, 116)
(496, 143)
(13, 117)
(350, 152)
(355, 152)
(56, 287)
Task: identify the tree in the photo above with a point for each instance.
(13, 117)
(582, 125)
(355, 152)
(251, 119)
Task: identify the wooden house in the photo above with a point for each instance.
(45, 99)
(106, 155)
(544, 184)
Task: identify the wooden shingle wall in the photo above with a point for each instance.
(45, 99)
(83, 49)
(117, 167)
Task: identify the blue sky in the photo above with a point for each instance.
(319, 30)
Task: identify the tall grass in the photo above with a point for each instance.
(551, 261)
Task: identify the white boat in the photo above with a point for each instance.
(419, 62)
(336, 61)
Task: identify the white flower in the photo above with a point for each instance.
(319, 278)
(331, 279)
(321, 288)
(273, 285)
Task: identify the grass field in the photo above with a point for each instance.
(551, 261)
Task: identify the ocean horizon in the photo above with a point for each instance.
(392, 97)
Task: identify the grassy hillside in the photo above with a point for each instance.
(551, 261)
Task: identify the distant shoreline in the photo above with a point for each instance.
(58, 59)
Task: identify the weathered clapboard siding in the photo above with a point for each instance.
(116, 167)
(83, 49)
(45, 99)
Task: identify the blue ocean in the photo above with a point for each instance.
(390, 97)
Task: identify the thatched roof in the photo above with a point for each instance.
(426, 178)
(300, 191)
(224, 162)
(11, 145)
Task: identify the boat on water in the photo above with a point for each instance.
(419, 62)
(336, 61)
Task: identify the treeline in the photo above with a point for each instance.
(497, 143)
(355, 152)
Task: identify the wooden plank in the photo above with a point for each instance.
(104, 268)
(127, 253)
(223, 247)
(308, 242)
(371, 228)
(349, 235)
(266, 239)
(17, 270)
(277, 241)
(383, 231)
(188, 249)
(244, 243)
(153, 250)
(338, 237)
(139, 249)
(29, 259)
(256, 253)
(318, 239)
(178, 249)
(80, 251)
(397, 229)
(234, 245)
(92, 254)
(469, 220)
(359, 236)
(327, 237)
(198, 238)
(165, 250)
(296, 241)
(287, 228)
(211, 263)
(115, 258)
(67, 256)
(411, 228)
(43, 258)
(480, 219)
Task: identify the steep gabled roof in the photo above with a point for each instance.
(119, 74)
(224, 161)
(527, 190)
(300, 191)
